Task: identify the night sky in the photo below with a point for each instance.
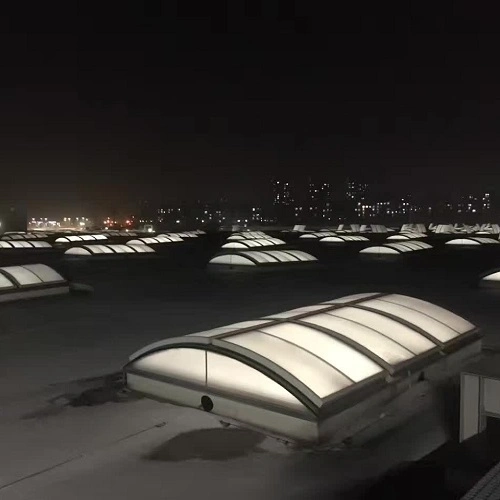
(102, 107)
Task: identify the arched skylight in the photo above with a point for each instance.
(262, 258)
(24, 245)
(343, 239)
(308, 364)
(89, 250)
(81, 237)
(154, 240)
(262, 242)
(472, 241)
(316, 235)
(396, 248)
(29, 281)
(248, 235)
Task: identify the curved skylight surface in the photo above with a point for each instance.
(248, 235)
(405, 236)
(154, 240)
(396, 248)
(472, 241)
(113, 233)
(494, 276)
(262, 257)
(82, 237)
(182, 236)
(317, 353)
(490, 278)
(381, 250)
(254, 243)
(24, 244)
(343, 239)
(317, 235)
(23, 236)
(30, 275)
(88, 250)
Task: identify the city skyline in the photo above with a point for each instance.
(287, 203)
(300, 193)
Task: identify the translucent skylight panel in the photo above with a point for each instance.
(302, 256)
(281, 256)
(312, 371)
(352, 363)
(492, 277)
(402, 334)
(233, 376)
(383, 347)
(432, 327)
(95, 249)
(261, 257)
(446, 317)
(45, 273)
(232, 259)
(22, 276)
(386, 250)
(5, 283)
(181, 363)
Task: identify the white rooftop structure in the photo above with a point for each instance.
(378, 228)
(29, 281)
(490, 279)
(472, 241)
(74, 238)
(23, 236)
(263, 242)
(154, 240)
(343, 238)
(405, 236)
(317, 235)
(124, 250)
(394, 249)
(442, 229)
(248, 235)
(5, 245)
(115, 232)
(310, 374)
(184, 234)
(261, 258)
(418, 228)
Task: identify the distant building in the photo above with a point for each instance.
(486, 199)
(282, 201)
(282, 193)
(257, 214)
(319, 201)
(356, 191)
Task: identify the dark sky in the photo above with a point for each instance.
(102, 106)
